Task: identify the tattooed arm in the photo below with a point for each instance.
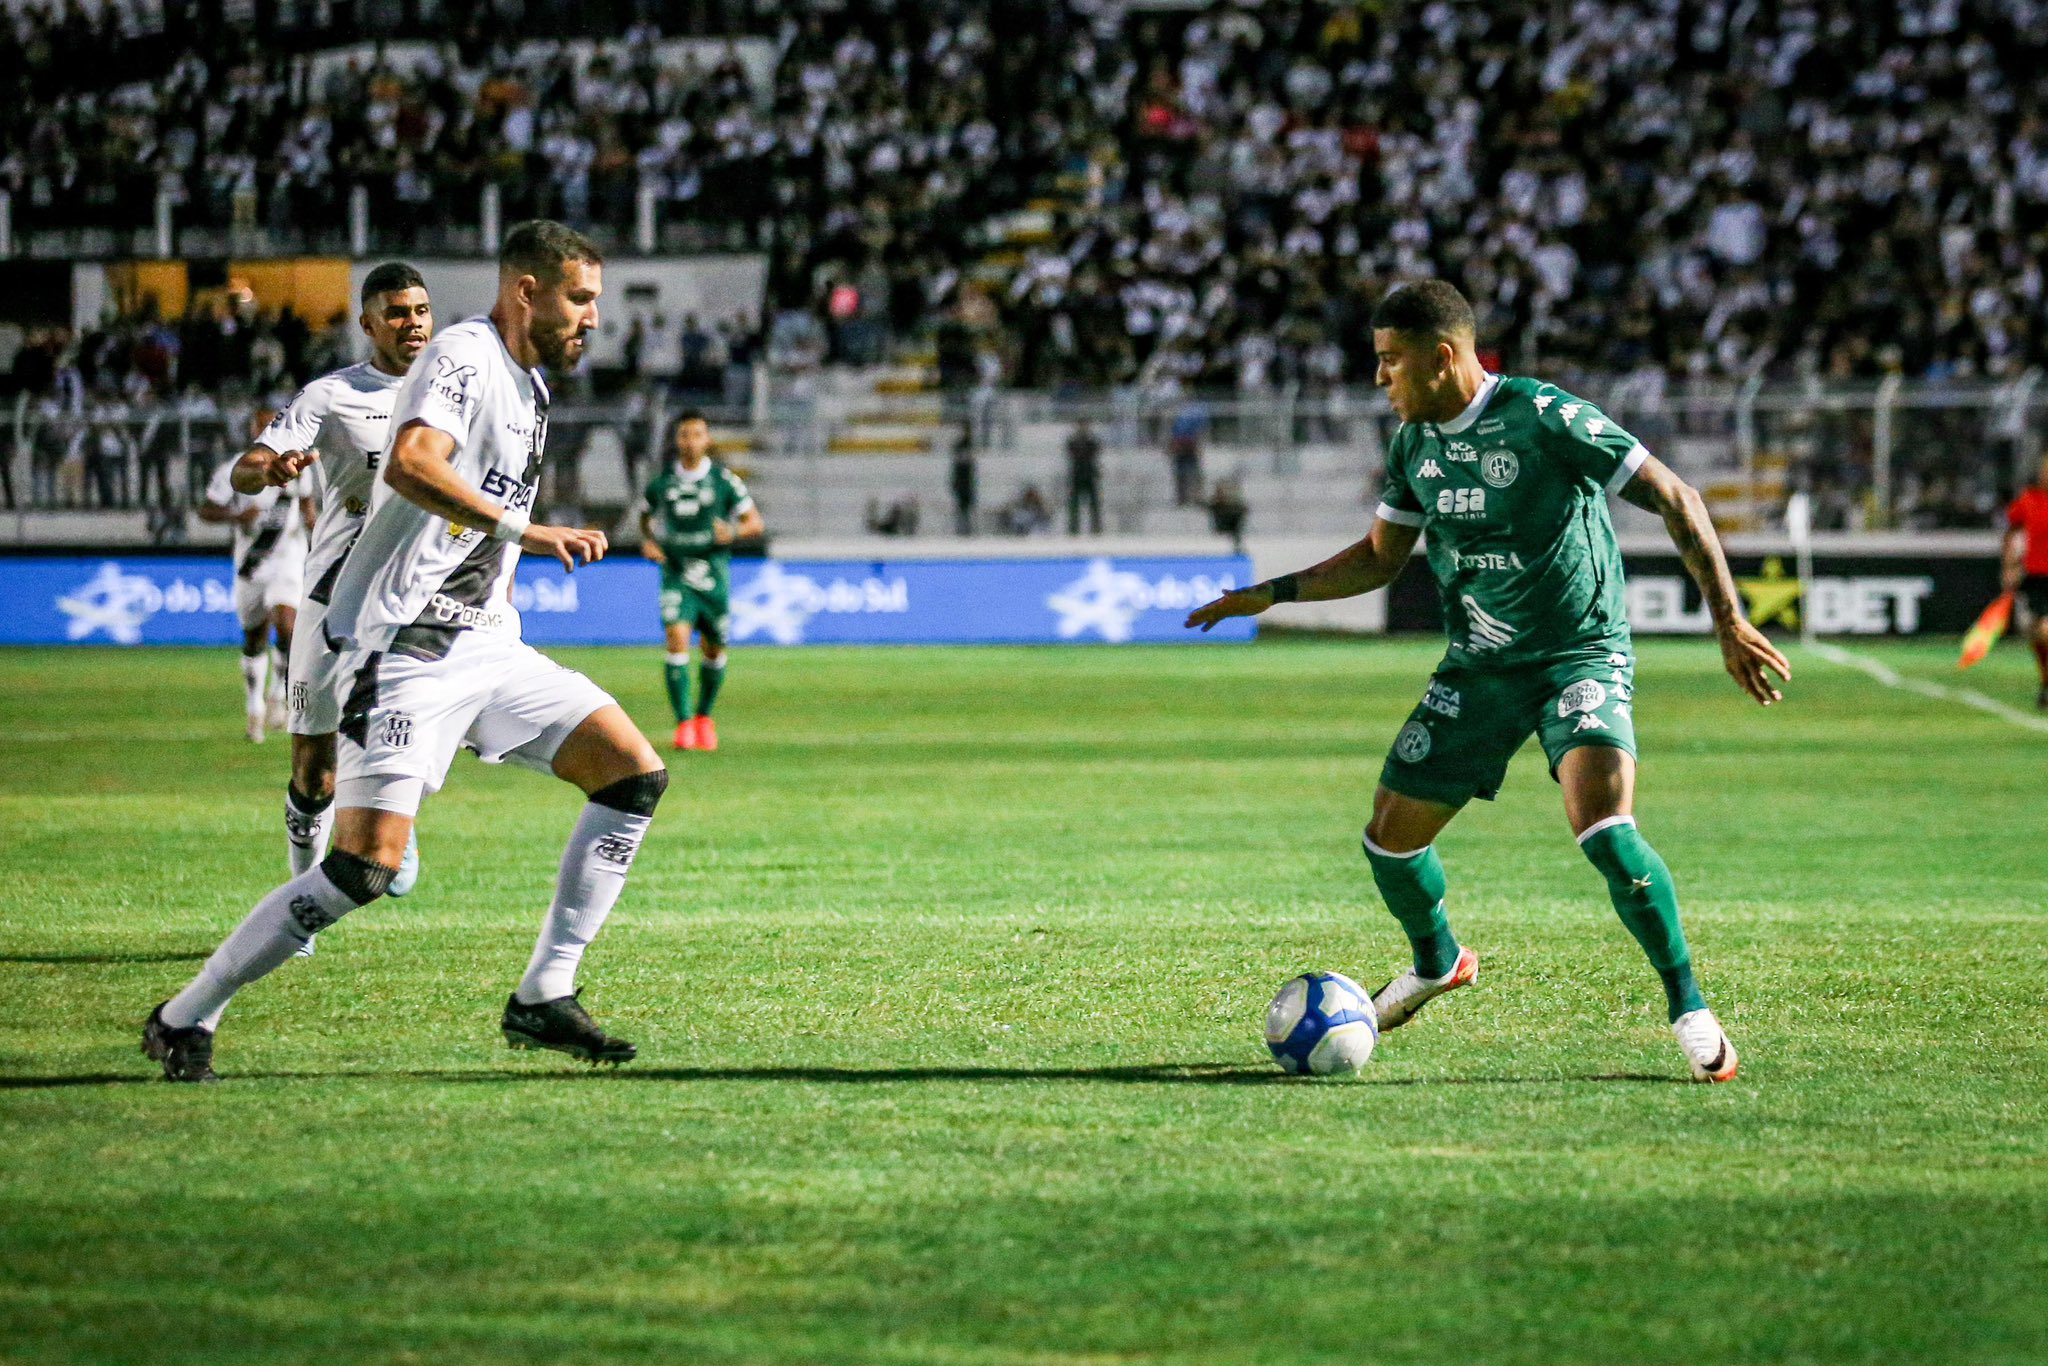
(1747, 652)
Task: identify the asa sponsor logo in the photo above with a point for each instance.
(1499, 467)
(1107, 600)
(117, 604)
(1461, 502)
(779, 604)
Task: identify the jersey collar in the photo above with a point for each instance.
(1472, 409)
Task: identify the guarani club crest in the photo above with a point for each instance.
(1499, 467)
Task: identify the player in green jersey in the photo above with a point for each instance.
(693, 510)
(1510, 478)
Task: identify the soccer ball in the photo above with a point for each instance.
(1322, 1024)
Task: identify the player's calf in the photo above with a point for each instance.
(1645, 897)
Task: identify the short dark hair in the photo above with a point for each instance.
(691, 415)
(540, 247)
(1426, 308)
(393, 277)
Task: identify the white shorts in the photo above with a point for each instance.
(402, 719)
(255, 598)
(317, 676)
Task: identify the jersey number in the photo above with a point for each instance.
(1461, 500)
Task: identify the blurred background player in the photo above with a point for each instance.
(2024, 554)
(269, 553)
(334, 433)
(1510, 476)
(692, 512)
(437, 664)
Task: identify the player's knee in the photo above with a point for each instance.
(634, 796)
(358, 879)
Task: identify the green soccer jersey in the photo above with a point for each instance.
(1511, 497)
(684, 504)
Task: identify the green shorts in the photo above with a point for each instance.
(699, 597)
(1460, 737)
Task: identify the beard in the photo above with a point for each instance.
(551, 341)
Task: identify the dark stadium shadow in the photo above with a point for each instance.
(61, 960)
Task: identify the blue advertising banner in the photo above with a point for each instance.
(188, 600)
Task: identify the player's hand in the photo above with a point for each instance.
(1751, 659)
(1245, 602)
(653, 552)
(570, 545)
(721, 532)
(287, 466)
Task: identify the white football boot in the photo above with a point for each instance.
(1705, 1043)
(254, 730)
(1399, 999)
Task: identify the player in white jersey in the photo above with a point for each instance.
(438, 664)
(269, 555)
(335, 430)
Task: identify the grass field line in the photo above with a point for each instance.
(1892, 678)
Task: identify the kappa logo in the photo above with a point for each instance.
(1430, 470)
(1584, 695)
(616, 849)
(1499, 468)
(1595, 426)
(398, 729)
(1412, 744)
(1589, 722)
(1543, 402)
(1569, 413)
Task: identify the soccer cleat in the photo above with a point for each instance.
(305, 950)
(686, 734)
(255, 730)
(1705, 1045)
(408, 875)
(1399, 999)
(564, 1026)
(274, 713)
(187, 1054)
(707, 733)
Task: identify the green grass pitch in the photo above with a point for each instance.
(947, 974)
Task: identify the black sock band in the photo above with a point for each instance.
(358, 879)
(636, 796)
(311, 806)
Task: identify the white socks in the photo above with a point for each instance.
(594, 865)
(253, 667)
(272, 933)
(305, 830)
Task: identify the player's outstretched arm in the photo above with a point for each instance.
(1750, 657)
(419, 472)
(261, 467)
(1358, 568)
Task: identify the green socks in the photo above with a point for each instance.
(710, 675)
(675, 672)
(1647, 901)
(1413, 887)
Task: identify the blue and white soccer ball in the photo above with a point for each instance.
(1322, 1024)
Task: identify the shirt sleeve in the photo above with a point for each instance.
(1398, 503)
(736, 490)
(1588, 440)
(297, 425)
(445, 389)
(219, 490)
(2016, 513)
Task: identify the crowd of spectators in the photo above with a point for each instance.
(1714, 187)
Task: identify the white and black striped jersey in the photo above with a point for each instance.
(414, 580)
(346, 416)
(273, 544)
